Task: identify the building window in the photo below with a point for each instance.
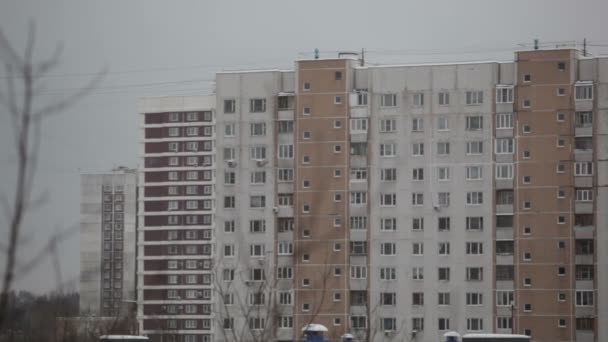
(417, 125)
(257, 226)
(388, 324)
(358, 174)
(358, 125)
(474, 97)
(286, 151)
(418, 99)
(474, 274)
(443, 123)
(257, 201)
(358, 272)
(583, 168)
(361, 98)
(474, 123)
(388, 298)
(474, 172)
(229, 106)
(584, 91)
(285, 248)
(358, 198)
(388, 100)
(388, 273)
(504, 120)
(504, 171)
(504, 94)
(388, 150)
(258, 177)
(388, 200)
(285, 126)
(418, 323)
(444, 98)
(443, 224)
(504, 146)
(474, 324)
(285, 175)
(443, 148)
(229, 202)
(474, 147)
(388, 125)
(388, 248)
(443, 324)
(443, 248)
(443, 199)
(388, 175)
(417, 199)
(474, 248)
(417, 248)
(388, 224)
(257, 129)
(418, 149)
(358, 222)
(257, 105)
(443, 298)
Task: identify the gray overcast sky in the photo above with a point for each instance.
(175, 41)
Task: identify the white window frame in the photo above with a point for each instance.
(504, 171)
(388, 125)
(474, 97)
(388, 100)
(358, 125)
(388, 150)
(474, 147)
(504, 94)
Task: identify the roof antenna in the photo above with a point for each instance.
(362, 57)
(584, 47)
(316, 53)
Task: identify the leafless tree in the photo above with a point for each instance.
(23, 74)
(258, 301)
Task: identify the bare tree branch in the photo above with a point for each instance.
(19, 102)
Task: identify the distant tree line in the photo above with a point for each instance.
(33, 318)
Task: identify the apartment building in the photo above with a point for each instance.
(107, 243)
(406, 201)
(176, 218)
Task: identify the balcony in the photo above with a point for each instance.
(504, 285)
(358, 136)
(583, 207)
(583, 149)
(504, 184)
(585, 336)
(584, 285)
(583, 259)
(583, 232)
(583, 181)
(503, 233)
(286, 105)
(284, 212)
(359, 112)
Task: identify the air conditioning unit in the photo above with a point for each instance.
(437, 207)
(275, 209)
(231, 163)
(261, 162)
(389, 333)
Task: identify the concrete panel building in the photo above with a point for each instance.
(107, 242)
(395, 202)
(176, 218)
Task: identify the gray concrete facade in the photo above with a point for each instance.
(107, 242)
